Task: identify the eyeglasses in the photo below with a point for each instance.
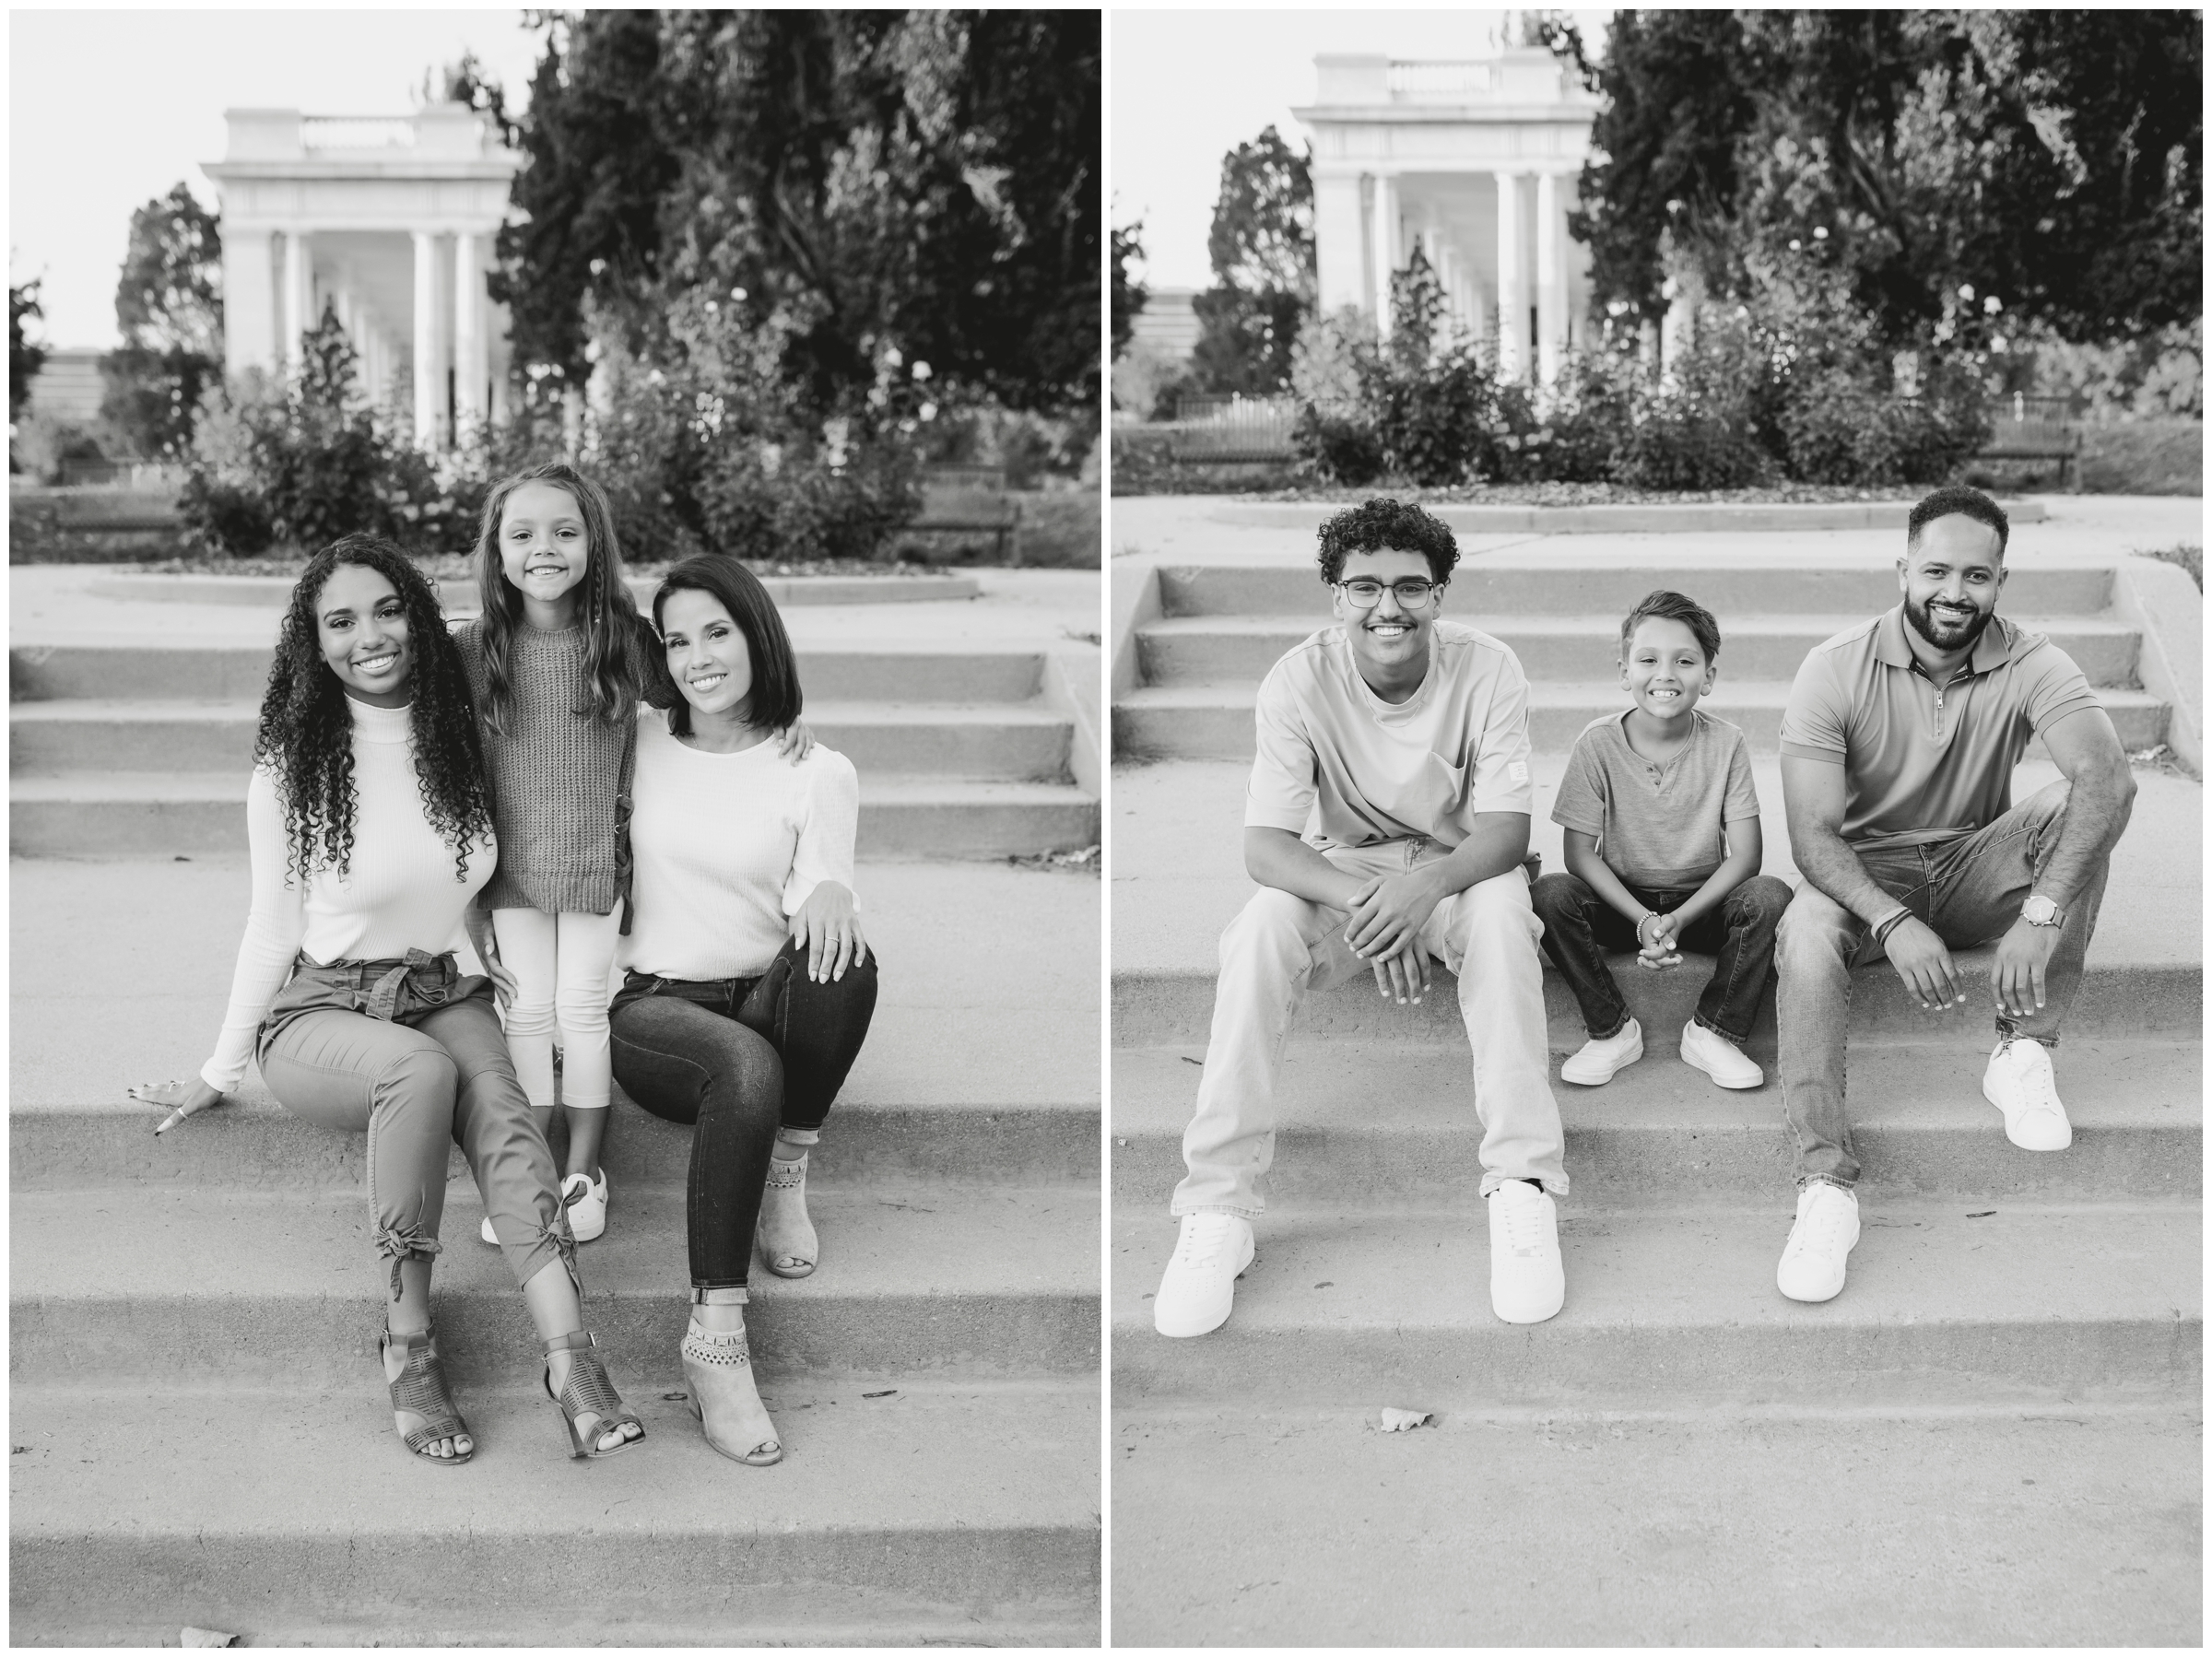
(1412, 594)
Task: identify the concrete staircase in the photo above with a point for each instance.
(200, 1430)
(1990, 1437)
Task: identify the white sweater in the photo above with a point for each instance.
(727, 846)
(400, 893)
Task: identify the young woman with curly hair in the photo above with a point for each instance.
(370, 831)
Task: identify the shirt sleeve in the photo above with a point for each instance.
(1580, 805)
(827, 829)
(2055, 687)
(1285, 770)
(274, 925)
(1814, 721)
(1741, 800)
(1501, 781)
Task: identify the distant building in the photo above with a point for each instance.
(1475, 162)
(68, 387)
(1166, 325)
(387, 219)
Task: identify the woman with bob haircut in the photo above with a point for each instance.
(749, 986)
(369, 825)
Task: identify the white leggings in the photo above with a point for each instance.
(561, 964)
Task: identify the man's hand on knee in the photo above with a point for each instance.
(2016, 977)
(1404, 975)
(1926, 967)
(1390, 915)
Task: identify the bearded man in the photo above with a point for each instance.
(1898, 747)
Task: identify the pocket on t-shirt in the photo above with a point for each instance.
(1436, 794)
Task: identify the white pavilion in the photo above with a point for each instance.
(387, 220)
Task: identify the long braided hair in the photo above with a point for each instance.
(615, 638)
(306, 733)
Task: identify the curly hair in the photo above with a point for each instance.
(306, 733)
(1382, 524)
(612, 626)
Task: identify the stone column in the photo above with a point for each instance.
(1513, 293)
(250, 308)
(471, 361)
(1339, 241)
(1385, 248)
(430, 367)
(299, 298)
(1551, 279)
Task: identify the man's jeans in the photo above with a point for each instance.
(1968, 891)
(1739, 933)
(1282, 946)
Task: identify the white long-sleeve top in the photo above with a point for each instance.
(726, 847)
(399, 893)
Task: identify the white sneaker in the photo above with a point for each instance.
(1599, 1062)
(1827, 1225)
(586, 1204)
(2018, 1081)
(1200, 1283)
(1728, 1064)
(1528, 1282)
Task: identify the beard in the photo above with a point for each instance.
(1944, 635)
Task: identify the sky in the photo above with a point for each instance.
(107, 110)
(1189, 86)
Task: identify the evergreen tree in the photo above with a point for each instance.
(1261, 247)
(168, 309)
(24, 360)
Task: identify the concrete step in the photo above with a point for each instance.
(1363, 1307)
(2120, 996)
(1384, 1123)
(138, 814)
(954, 1515)
(1003, 740)
(229, 1286)
(1208, 649)
(1557, 581)
(1214, 722)
(2072, 1527)
(979, 671)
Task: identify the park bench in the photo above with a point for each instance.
(1222, 432)
(2033, 428)
(969, 501)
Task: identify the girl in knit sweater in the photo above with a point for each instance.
(558, 663)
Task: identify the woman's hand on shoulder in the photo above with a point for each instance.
(828, 928)
(183, 1098)
(795, 742)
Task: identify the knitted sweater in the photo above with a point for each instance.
(398, 893)
(728, 846)
(555, 774)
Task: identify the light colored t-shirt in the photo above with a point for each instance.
(1922, 765)
(727, 846)
(1342, 767)
(402, 889)
(1657, 824)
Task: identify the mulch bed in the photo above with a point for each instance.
(450, 566)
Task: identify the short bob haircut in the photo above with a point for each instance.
(1673, 606)
(1382, 524)
(1958, 500)
(774, 700)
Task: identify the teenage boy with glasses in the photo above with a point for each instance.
(1387, 822)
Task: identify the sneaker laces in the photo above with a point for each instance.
(2031, 1074)
(1524, 1226)
(1202, 1240)
(1818, 1227)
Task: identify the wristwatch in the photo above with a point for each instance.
(2039, 911)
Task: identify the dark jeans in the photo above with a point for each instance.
(736, 1059)
(1580, 926)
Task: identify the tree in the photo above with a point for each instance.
(1261, 247)
(1128, 298)
(2052, 158)
(872, 187)
(24, 360)
(169, 310)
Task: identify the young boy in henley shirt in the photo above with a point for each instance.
(1386, 824)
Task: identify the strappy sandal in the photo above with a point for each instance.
(588, 1393)
(790, 1262)
(719, 1363)
(421, 1391)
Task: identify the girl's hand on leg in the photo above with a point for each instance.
(828, 928)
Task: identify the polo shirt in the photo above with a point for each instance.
(1338, 764)
(1923, 764)
(1657, 823)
